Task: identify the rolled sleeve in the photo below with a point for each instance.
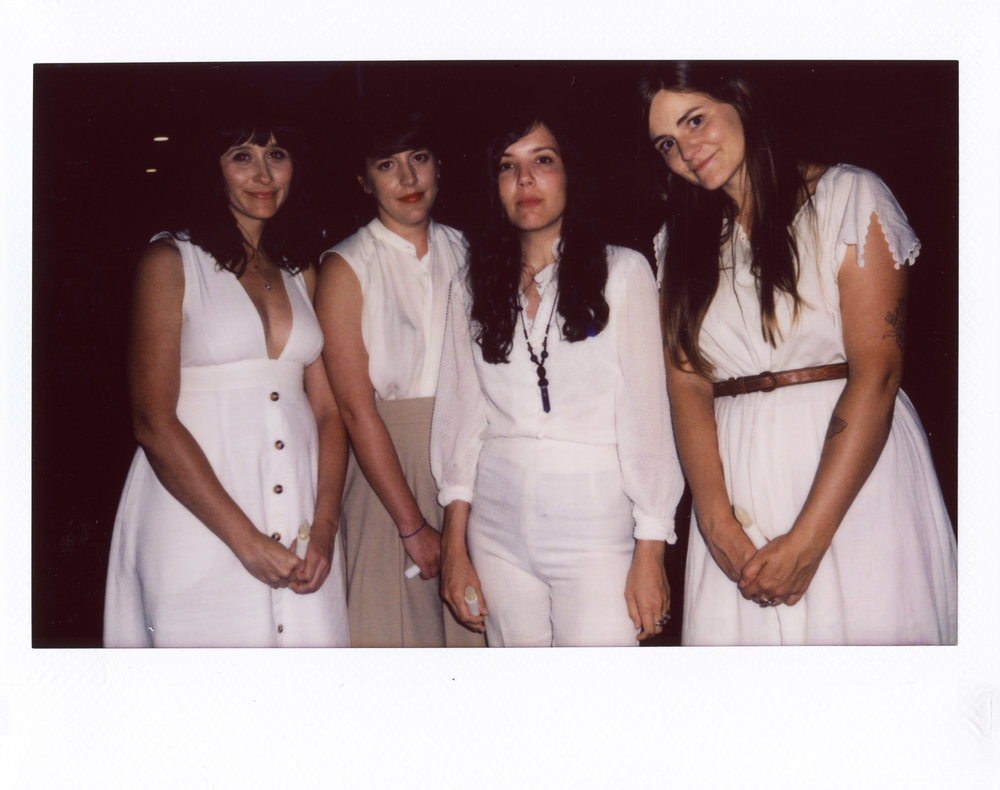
(651, 470)
(459, 417)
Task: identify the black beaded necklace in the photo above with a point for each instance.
(543, 383)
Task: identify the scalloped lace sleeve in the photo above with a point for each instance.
(856, 195)
(660, 252)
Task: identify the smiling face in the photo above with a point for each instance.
(701, 140)
(405, 186)
(532, 182)
(256, 179)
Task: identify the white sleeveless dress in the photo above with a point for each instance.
(171, 581)
(889, 576)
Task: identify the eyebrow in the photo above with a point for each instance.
(688, 114)
(697, 108)
(535, 151)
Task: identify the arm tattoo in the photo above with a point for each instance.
(836, 426)
(896, 319)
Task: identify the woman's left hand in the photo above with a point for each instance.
(781, 571)
(319, 555)
(647, 591)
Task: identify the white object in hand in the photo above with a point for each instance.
(303, 540)
(412, 572)
(472, 601)
(752, 530)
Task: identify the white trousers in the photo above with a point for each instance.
(550, 536)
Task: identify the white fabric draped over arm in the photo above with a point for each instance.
(459, 406)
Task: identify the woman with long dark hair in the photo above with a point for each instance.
(381, 301)
(551, 438)
(226, 531)
(820, 519)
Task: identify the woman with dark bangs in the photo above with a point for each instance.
(820, 519)
(226, 531)
(381, 301)
(551, 438)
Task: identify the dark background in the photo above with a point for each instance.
(95, 207)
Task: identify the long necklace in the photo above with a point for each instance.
(543, 383)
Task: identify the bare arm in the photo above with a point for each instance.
(338, 306)
(693, 413)
(331, 474)
(175, 456)
(873, 307)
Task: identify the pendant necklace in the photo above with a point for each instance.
(543, 383)
(256, 268)
(267, 283)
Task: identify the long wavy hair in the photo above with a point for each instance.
(698, 220)
(211, 224)
(495, 267)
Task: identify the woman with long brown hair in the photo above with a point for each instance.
(551, 439)
(820, 519)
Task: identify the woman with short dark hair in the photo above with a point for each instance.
(381, 301)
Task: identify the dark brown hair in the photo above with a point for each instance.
(210, 224)
(697, 220)
(494, 272)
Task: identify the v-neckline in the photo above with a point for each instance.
(260, 318)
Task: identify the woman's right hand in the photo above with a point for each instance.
(267, 560)
(730, 547)
(424, 549)
(457, 573)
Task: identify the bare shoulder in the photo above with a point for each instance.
(161, 253)
(161, 262)
(335, 272)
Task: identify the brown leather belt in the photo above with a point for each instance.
(767, 381)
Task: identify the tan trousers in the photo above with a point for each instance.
(384, 608)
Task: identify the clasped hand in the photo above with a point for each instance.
(780, 572)
(276, 566)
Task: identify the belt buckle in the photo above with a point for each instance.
(767, 374)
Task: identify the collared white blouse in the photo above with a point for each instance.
(405, 298)
(609, 389)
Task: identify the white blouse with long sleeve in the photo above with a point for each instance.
(402, 318)
(609, 389)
